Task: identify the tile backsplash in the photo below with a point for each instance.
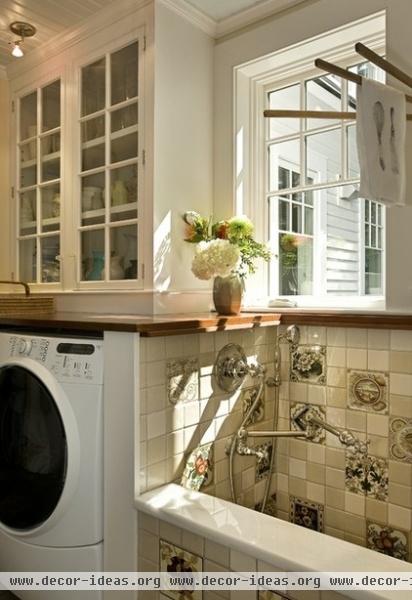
(368, 389)
(186, 421)
(359, 379)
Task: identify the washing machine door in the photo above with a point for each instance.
(33, 446)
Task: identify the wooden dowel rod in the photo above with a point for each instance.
(383, 64)
(309, 114)
(331, 68)
(312, 114)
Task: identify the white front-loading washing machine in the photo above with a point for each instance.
(51, 457)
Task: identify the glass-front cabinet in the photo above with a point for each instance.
(39, 184)
(78, 165)
(109, 168)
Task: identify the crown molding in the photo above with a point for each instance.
(193, 15)
(74, 35)
(218, 29)
(251, 15)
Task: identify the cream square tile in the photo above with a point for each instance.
(170, 533)
(282, 482)
(355, 504)
(156, 450)
(378, 360)
(206, 343)
(156, 475)
(316, 492)
(155, 373)
(155, 349)
(399, 516)
(335, 518)
(316, 335)
(298, 449)
(298, 392)
(217, 553)
(376, 510)
(148, 523)
(401, 340)
(335, 478)
(356, 420)
(336, 336)
(297, 487)
(156, 398)
(401, 406)
(378, 339)
(400, 494)
(355, 525)
(356, 358)
(156, 424)
(336, 357)
(315, 473)
(297, 468)
(336, 416)
(335, 457)
(192, 542)
(357, 338)
(400, 472)
(377, 424)
(316, 453)
(336, 397)
(336, 377)
(335, 498)
(242, 563)
(401, 384)
(316, 394)
(401, 362)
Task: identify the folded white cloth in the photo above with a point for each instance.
(381, 128)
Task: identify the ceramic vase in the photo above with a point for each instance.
(96, 272)
(116, 268)
(227, 294)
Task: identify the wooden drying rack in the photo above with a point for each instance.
(367, 53)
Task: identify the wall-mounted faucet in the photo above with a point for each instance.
(308, 425)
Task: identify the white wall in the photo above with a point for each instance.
(183, 151)
(4, 182)
(284, 30)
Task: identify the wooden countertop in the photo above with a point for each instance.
(147, 326)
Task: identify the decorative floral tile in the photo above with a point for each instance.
(297, 415)
(306, 514)
(387, 540)
(367, 475)
(368, 391)
(182, 380)
(176, 560)
(400, 439)
(263, 461)
(270, 508)
(198, 471)
(248, 396)
(308, 364)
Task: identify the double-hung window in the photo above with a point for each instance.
(325, 240)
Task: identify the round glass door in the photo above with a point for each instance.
(33, 449)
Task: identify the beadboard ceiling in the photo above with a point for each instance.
(53, 17)
(50, 17)
(221, 9)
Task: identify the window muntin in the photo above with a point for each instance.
(323, 155)
(39, 184)
(109, 167)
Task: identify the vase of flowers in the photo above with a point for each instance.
(225, 251)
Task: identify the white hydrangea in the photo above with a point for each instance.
(215, 258)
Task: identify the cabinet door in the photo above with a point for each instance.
(39, 183)
(109, 168)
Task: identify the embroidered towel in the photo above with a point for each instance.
(381, 127)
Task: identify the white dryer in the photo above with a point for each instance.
(51, 456)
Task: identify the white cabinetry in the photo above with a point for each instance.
(77, 144)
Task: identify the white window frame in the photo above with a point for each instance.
(251, 83)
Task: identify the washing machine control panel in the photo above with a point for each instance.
(68, 359)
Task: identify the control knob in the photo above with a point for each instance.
(24, 347)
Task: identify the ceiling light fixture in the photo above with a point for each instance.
(23, 30)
